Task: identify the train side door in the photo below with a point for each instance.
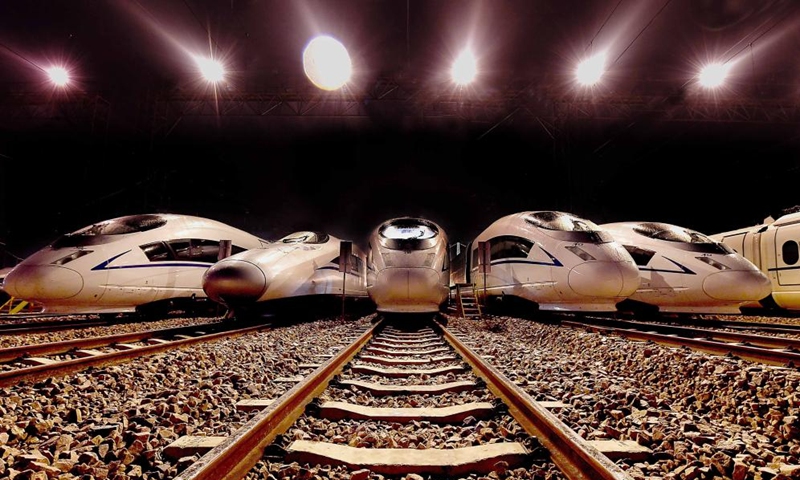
(752, 250)
(787, 258)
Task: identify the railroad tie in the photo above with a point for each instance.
(429, 344)
(405, 372)
(407, 361)
(381, 389)
(400, 352)
(452, 414)
(397, 461)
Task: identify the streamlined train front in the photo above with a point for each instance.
(301, 271)
(555, 260)
(685, 271)
(408, 266)
(126, 264)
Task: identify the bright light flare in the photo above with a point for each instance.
(212, 70)
(591, 70)
(713, 75)
(59, 76)
(327, 63)
(465, 68)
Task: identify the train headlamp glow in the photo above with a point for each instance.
(583, 254)
(714, 263)
(72, 256)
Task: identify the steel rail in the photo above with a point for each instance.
(39, 372)
(238, 454)
(781, 358)
(52, 348)
(765, 341)
(576, 459)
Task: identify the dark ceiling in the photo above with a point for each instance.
(268, 152)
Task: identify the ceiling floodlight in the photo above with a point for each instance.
(713, 75)
(464, 68)
(591, 70)
(212, 70)
(327, 63)
(58, 75)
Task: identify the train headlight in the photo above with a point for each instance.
(583, 254)
(72, 256)
(714, 263)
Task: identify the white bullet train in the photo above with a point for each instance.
(300, 273)
(148, 263)
(550, 261)
(685, 271)
(408, 266)
(773, 247)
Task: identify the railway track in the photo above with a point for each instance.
(27, 324)
(396, 402)
(772, 350)
(35, 362)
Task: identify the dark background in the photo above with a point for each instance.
(138, 133)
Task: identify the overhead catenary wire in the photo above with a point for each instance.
(642, 31)
(20, 56)
(205, 28)
(603, 25)
(750, 43)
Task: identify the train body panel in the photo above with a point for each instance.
(773, 247)
(408, 266)
(125, 264)
(555, 260)
(303, 266)
(685, 271)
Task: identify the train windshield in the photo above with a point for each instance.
(408, 234)
(305, 237)
(98, 233)
(688, 239)
(568, 227)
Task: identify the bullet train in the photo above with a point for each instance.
(408, 266)
(686, 272)
(303, 272)
(550, 261)
(773, 247)
(148, 263)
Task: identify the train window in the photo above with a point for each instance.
(510, 246)
(196, 250)
(670, 233)
(790, 252)
(182, 249)
(72, 256)
(683, 238)
(306, 237)
(205, 250)
(640, 255)
(572, 228)
(157, 252)
(408, 234)
(94, 234)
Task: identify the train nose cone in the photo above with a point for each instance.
(737, 285)
(234, 281)
(408, 290)
(42, 282)
(604, 279)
